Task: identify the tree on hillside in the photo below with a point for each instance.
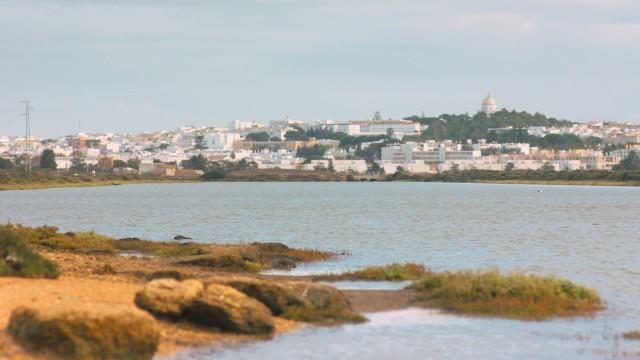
(296, 135)
(259, 136)
(78, 164)
(315, 152)
(200, 143)
(630, 163)
(196, 162)
(462, 127)
(5, 164)
(48, 160)
(119, 164)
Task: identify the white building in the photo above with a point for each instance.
(223, 140)
(375, 127)
(356, 166)
(406, 153)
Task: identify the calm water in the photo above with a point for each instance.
(588, 234)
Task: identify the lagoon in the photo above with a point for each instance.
(590, 235)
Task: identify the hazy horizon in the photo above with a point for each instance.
(130, 66)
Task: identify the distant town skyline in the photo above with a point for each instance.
(114, 66)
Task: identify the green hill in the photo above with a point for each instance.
(462, 127)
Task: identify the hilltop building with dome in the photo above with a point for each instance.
(489, 105)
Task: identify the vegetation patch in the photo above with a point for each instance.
(18, 259)
(307, 313)
(392, 272)
(515, 295)
(91, 242)
(631, 335)
(224, 263)
(158, 248)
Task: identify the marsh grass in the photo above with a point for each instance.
(514, 295)
(92, 242)
(310, 255)
(391, 272)
(229, 263)
(18, 259)
(325, 316)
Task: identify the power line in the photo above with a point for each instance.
(27, 144)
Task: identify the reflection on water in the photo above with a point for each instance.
(369, 285)
(428, 334)
(588, 234)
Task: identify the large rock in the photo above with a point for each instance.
(297, 300)
(228, 309)
(323, 303)
(277, 297)
(85, 331)
(168, 297)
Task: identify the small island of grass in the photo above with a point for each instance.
(391, 272)
(514, 295)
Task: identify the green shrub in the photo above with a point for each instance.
(515, 295)
(18, 259)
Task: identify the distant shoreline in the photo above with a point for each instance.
(82, 183)
(41, 185)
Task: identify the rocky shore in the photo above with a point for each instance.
(89, 296)
(132, 304)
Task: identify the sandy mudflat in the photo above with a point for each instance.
(104, 290)
(84, 280)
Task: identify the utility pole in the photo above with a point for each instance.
(27, 118)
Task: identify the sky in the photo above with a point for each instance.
(141, 65)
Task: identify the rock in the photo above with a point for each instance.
(182, 237)
(86, 331)
(323, 303)
(168, 297)
(323, 297)
(297, 300)
(273, 255)
(228, 309)
(274, 295)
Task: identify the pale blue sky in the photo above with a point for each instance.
(136, 65)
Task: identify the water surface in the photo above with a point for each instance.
(587, 234)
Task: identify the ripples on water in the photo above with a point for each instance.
(587, 234)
